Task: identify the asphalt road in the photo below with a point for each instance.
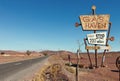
(9, 69)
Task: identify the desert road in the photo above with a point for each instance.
(9, 69)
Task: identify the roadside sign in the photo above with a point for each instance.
(105, 47)
(98, 47)
(97, 38)
(95, 22)
(92, 47)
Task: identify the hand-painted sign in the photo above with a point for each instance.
(105, 47)
(98, 47)
(92, 47)
(97, 38)
(95, 22)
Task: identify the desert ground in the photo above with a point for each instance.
(12, 56)
(108, 73)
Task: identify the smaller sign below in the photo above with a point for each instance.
(92, 47)
(97, 38)
(105, 47)
(98, 48)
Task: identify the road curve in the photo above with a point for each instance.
(9, 69)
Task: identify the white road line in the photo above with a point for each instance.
(17, 63)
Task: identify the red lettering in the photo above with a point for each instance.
(86, 25)
(94, 19)
(100, 19)
(104, 25)
(86, 19)
(101, 25)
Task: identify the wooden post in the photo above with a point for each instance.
(93, 13)
(118, 65)
(103, 57)
(77, 67)
(69, 58)
(91, 66)
(119, 72)
(95, 54)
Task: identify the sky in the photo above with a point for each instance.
(50, 24)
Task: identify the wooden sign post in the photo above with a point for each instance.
(96, 23)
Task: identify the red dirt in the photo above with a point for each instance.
(108, 73)
(11, 56)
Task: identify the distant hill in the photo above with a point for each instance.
(56, 52)
(11, 52)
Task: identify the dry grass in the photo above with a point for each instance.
(70, 69)
(40, 75)
(48, 68)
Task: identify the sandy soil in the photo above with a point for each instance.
(6, 59)
(11, 56)
(108, 73)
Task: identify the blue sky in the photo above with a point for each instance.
(49, 24)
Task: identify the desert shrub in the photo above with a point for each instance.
(70, 69)
(45, 54)
(28, 52)
(2, 53)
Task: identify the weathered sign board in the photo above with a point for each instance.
(92, 47)
(97, 38)
(105, 47)
(98, 47)
(95, 22)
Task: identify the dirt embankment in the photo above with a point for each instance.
(53, 70)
